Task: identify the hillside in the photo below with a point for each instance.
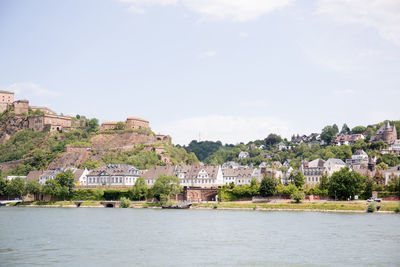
(23, 150)
(267, 150)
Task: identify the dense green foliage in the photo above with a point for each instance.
(124, 202)
(165, 186)
(346, 184)
(297, 196)
(140, 189)
(16, 187)
(371, 207)
(203, 149)
(268, 187)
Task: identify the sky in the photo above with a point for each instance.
(228, 70)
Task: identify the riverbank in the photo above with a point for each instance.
(278, 205)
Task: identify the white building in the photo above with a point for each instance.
(391, 173)
(10, 178)
(359, 157)
(230, 165)
(113, 174)
(244, 155)
(333, 165)
(282, 146)
(314, 170)
(238, 176)
(195, 176)
(50, 174)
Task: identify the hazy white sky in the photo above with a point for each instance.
(229, 70)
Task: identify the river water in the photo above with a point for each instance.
(148, 237)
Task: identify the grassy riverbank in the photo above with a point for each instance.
(315, 205)
(345, 206)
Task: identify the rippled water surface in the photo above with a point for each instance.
(144, 237)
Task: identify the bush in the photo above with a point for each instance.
(397, 209)
(298, 196)
(371, 207)
(124, 203)
(88, 194)
(114, 194)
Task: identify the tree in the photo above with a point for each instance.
(124, 202)
(389, 159)
(369, 182)
(378, 145)
(328, 134)
(298, 179)
(93, 125)
(345, 184)
(336, 128)
(3, 187)
(53, 189)
(324, 182)
(272, 139)
(165, 186)
(268, 186)
(67, 182)
(254, 187)
(140, 189)
(382, 166)
(345, 129)
(33, 187)
(358, 130)
(16, 187)
(298, 196)
(120, 126)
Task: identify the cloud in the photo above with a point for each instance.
(343, 92)
(243, 35)
(227, 129)
(24, 87)
(382, 15)
(208, 54)
(234, 10)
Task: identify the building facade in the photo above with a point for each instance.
(136, 123)
(192, 176)
(347, 139)
(49, 122)
(112, 175)
(386, 133)
(6, 99)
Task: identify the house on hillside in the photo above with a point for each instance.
(50, 174)
(347, 139)
(358, 157)
(386, 133)
(282, 146)
(244, 155)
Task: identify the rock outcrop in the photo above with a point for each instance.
(11, 125)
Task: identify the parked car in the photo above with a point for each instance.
(371, 199)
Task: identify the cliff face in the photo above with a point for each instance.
(11, 125)
(122, 141)
(70, 159)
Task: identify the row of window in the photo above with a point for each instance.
(313, 173)
(313, 179)
(116, 180)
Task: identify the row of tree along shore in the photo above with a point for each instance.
(342, 185)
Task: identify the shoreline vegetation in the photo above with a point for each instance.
(305, 206)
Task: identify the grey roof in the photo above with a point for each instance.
(334, 162)
(360, 152)
(316, 163)
(114, 169)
